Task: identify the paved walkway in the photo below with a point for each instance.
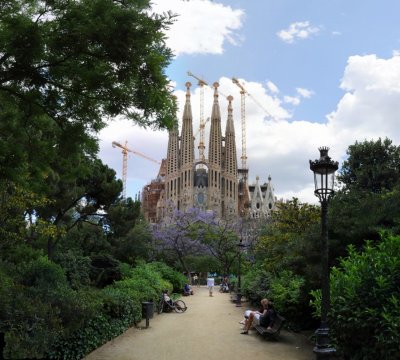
(208, 330)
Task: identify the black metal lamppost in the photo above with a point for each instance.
(324, 175)
(240, 246)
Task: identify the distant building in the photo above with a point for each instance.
(262, 199)
(152, 193)
(214, 183)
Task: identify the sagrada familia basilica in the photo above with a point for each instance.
(211, 184)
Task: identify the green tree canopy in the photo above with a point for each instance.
(371, 166)
(81, 61)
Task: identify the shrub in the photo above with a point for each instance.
(256, 284)
(77, 268)
(112, 311)
(177, 279)
(285, 291)
(104, 270)
(365, 311)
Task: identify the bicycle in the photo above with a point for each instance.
(178, 306)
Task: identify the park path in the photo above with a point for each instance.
(208, 330)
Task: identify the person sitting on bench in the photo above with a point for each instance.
(255, 316)
(167, 298)
(187, 290)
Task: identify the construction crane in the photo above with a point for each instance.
(125, 151)
(243, 118)
(201, 146)
(243, 93)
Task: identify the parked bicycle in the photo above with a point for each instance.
(178, 306)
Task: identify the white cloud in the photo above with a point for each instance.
(305, 93)
(272, 87)
(297, 30)
(282, 146)
(202, 27)
(293, 100)
(370, 107)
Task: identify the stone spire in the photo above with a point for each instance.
(186, 180)
(215, 143)
(230, 185)
(215, 158)
(173, 150)
(187, 140)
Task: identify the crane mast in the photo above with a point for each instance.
(243, 118)
(125, 151)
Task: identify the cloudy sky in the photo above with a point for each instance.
(319, 73)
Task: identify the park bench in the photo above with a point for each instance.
(275, 329)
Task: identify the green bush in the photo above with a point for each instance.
(43, 317)
(365, 307)
(286, 291)
(42, 306)
(118, 307)
(256, 284)
(177, 279)
(77, 268)
(112, 312)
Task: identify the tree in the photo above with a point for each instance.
(369, 200)
(78, 62)
(372, 166)
(220, 238)
(284, 243)
(174, 237)
(65, 68)
(82, 193)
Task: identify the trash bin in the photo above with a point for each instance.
(147, 311)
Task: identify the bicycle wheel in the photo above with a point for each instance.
(180, 306)
(160, 306)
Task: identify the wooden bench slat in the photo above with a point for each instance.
(276, 327)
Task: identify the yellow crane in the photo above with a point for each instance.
(243, 93)
(125, 151)
(243, 118)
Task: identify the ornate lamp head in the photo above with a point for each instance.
(324, 174)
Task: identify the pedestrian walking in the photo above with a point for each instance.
(210, 285)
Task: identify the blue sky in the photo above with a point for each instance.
(328, 73)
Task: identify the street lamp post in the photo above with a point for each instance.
(240, 246)
(324, 175)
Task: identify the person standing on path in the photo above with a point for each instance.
(210, 285)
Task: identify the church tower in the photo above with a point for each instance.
(187, 155)
(215, 158)
(172, 182)
(229, 185)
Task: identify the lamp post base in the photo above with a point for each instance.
(239, 300)
(322, 349)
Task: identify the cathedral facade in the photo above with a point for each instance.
(205, 183)
(212, 183)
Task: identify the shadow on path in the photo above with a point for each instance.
(208, 330)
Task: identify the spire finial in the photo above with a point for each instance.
(230, 98)
(216, 85)
(188, 85)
